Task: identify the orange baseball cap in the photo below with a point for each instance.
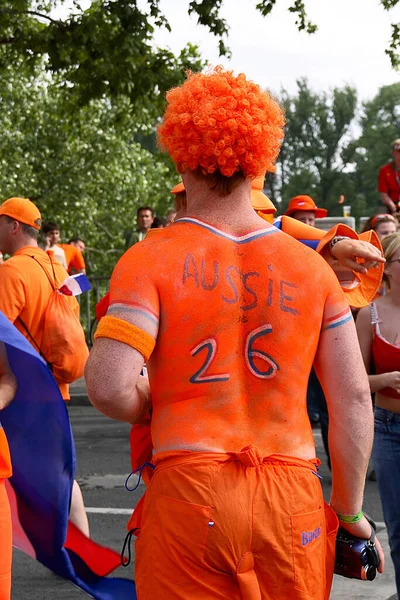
(178, 188)
(22, 210)
(305, 203)
(259, 200)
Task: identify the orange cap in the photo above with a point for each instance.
(22, 210)
(259, 200)
(305, 203)
(178, 188)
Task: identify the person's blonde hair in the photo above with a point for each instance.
(390, 245)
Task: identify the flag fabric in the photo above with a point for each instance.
(75, 285)
(42, 450)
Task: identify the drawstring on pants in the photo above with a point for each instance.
(127, 546)
(140, 470)
(128, 538)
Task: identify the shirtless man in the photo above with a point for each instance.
(229, 332)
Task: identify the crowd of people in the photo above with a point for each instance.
(244, 332)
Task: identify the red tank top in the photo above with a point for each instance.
(386, 356)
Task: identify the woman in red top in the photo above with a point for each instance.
(7, 391)
(378, 328)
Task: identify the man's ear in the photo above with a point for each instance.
(16, 227)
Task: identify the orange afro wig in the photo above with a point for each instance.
(217, 121)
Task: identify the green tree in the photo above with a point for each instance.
(84, 170)
(313, 159)
(105, 50)
(108, 48)
(380, 122)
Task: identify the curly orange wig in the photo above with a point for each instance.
(217, 121)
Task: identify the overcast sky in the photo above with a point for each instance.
(347, 48)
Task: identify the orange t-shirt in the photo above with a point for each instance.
(5, 459)
(239, 321)
(25, 291)
(74, 258)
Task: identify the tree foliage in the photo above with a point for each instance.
(380, 122)
(84, 170)
(323, 153)
(105, 50)
(313, 156)
(108, 48)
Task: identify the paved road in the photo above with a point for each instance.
(102, 449)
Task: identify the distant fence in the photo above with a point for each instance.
(100, 286)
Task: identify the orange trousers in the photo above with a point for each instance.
(5, 544)
(236, 525)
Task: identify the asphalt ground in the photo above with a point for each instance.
(102, 448)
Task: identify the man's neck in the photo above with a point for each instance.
(23, 243)
(396, 165)
(233, 214)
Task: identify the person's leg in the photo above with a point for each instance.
(386, 460)
(77, 513)
(186, 547)
(294, 533)
(5, 544)
(312, 405)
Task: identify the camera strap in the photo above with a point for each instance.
(371, 547)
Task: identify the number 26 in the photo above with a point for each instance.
(250, 353)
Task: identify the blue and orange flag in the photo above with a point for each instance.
(42, 450)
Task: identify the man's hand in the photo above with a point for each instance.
(348, 251)
(144, 393)
(363, 530)
(392, 380)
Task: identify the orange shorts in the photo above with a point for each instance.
(5, 544)
(234, 525)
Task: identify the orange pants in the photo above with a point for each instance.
(235, 525)
(5, 543)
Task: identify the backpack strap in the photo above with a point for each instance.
(54, 284)
(35, 343)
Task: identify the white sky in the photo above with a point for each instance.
(348, 47)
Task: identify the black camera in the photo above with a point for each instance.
(356, 558)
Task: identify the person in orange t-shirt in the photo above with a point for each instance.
(8, 387)
(229, 331)
(74, 255)
(26, 291)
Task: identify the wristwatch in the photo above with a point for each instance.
(336, 239)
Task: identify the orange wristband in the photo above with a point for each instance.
(122, 331)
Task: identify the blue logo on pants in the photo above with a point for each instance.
(310, 536)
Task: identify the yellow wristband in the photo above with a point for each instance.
(122, 331)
